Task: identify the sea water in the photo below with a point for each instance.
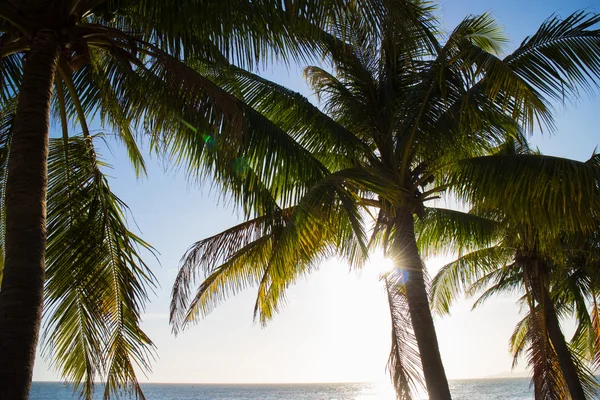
(480, 389)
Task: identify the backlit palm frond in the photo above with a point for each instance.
(284, 30)
(292, 112)
(586, 341)
(558, 193)
(440, 112)
(595, 335)
(404, 363)
(341, 102)
(572, 291)
(325, 223)
(270, 251)
(11, 70)
(519, 340)
(585, 372)
(365, 179)
(415, 21)
(509, 92)
(547, 379)
(11, 64)
(562, 57)
(97, 282)
(228, 262)
(479, 30)
(271, 32)
(97, 90)
(382, 230)
(107, 68)
(444, 231)
(211, 132)
(459, 276)
(505, 280)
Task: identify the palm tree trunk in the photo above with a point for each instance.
(406, 256)
(565, 358)
(21, 295)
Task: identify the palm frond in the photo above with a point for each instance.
(292, 112)
(459, 276)
(554, 192)
(518, 341)
(562, 57)
(230, 261)
(444, 230)
(97, 282)
(325, 222)
(547, 378)
(506, 280)
(404, 363)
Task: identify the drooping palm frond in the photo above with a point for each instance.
(271, 252)
(97, 281)
(404, 364)
(441, 230)
(518, 342)
(292, 112)
(578, 294)
(11, 70)
(229, 261)
(284, 30)
(588, 342)
(326, 222)
(557, 193)
(547, 379)
(465, 275)
(527, 341)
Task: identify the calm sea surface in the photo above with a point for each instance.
(484, 389)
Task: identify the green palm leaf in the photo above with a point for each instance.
(442, 230)
(96, 279)
(459, 276)
(404, 363)
(559, 193)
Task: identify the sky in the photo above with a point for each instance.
(335, 325)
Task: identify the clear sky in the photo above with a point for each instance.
(335, 326)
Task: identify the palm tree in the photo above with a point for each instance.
(526, 251)
(400, 108)
(120, 60)
(578, 294)
(96, 281)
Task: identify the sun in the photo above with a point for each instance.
(378, 264)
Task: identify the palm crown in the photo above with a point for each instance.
(126, 64)
(400, 110)
(501, 250)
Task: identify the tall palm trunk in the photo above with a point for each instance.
(407, 257)
(21, 295)
(565, 358)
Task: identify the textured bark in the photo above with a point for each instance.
(21, 295)
(407, 257)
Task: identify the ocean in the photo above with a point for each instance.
(480, 389)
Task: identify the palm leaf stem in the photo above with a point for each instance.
(65, 74)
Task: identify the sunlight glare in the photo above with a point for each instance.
(378, 264)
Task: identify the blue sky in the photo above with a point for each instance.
(335, 326)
